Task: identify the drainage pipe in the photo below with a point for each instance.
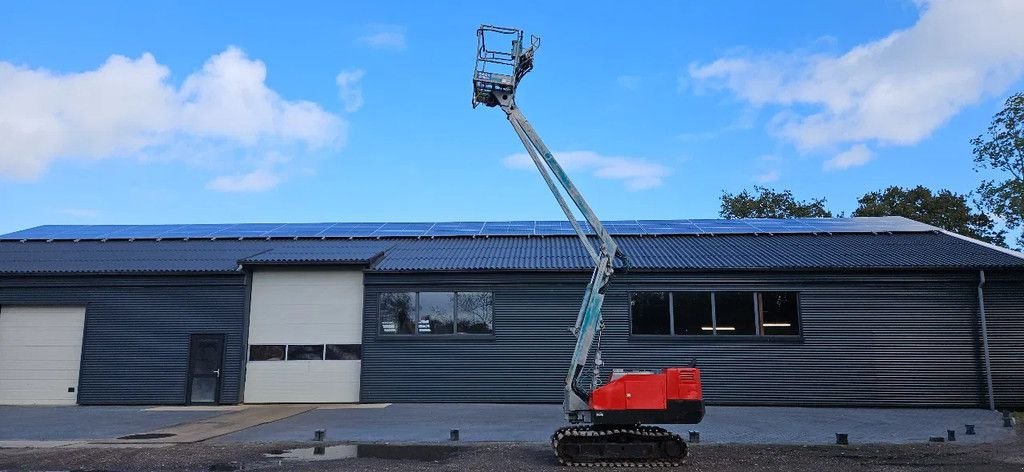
(984, 340)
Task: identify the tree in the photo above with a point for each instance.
(769, 203)
(1002, 150)
(945, 209)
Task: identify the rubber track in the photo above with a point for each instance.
(589, 433)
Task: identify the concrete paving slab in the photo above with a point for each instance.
(66, 423)
(212, 427)
(430, 423)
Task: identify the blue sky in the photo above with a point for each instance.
(191, 112)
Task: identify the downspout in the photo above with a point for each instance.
(984, 340)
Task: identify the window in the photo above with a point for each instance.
(691, 313)
(306, 352)
(436, 313)
(734, 314)
(475, 312)
(779, 314)
(650, 313)
(715, 313)
(398, 312)
(266, 352)
(344, 352)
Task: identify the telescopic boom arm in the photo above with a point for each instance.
(496, 89)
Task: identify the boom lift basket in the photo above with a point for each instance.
(500, 71)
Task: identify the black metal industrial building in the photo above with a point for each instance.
(887, 313)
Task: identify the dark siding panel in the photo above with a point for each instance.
(137, 331)
(869, 339)
(1004, 310)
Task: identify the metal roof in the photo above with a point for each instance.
(885, 224)
(931, 250)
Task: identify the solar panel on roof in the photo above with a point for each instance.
(724, 226)
(356, 230)
(455, 229)
(491, 228)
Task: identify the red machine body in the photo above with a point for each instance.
(672, 396)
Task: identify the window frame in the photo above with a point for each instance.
(381, 335)
(759, 335)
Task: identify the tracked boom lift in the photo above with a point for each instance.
(607, 419)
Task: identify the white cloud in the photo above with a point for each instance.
(767, 177)
(380, 36)
(129, 107)
(893, 91)
(255, 181)
(635, 173)
(349, 88)
(856, 156)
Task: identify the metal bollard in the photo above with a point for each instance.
(842, 438)
(969, 428)
(950, 435)
(453, 435)
(319, 435)
(694, 436)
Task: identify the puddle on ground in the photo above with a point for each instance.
(147, 436)
(377, 451)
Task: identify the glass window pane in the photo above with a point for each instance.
(649, 312)
(437, 313)
(266, 352)
(779, 313)
(397, 313)
(204, 390)
(734, 313)
(692, 313)
(344, 352)
(306, 352)
(475, 312)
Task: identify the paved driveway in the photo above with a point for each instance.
(65, 423)
(535, 423)
(426, 423)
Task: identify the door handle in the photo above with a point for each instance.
(217, 372)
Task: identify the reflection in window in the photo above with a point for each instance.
(691, 313)
(344, 352)
(734, 314)
(650, 313)
(397, 312)
(305, 352)
(475, 312)
(779, 313)
(266, 352)
(437, 313)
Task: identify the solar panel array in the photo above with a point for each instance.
(469, 229)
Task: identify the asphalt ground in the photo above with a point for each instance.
(63, 423)
(427, 423)
(1005, 455)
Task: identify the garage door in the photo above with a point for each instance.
(40, 352)
(305, 334)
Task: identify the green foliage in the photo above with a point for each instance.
(945, 209)
(769, 203)
(1001, 150)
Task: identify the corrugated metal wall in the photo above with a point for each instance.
(1004, 310)
(868, 339)
(137, 330)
